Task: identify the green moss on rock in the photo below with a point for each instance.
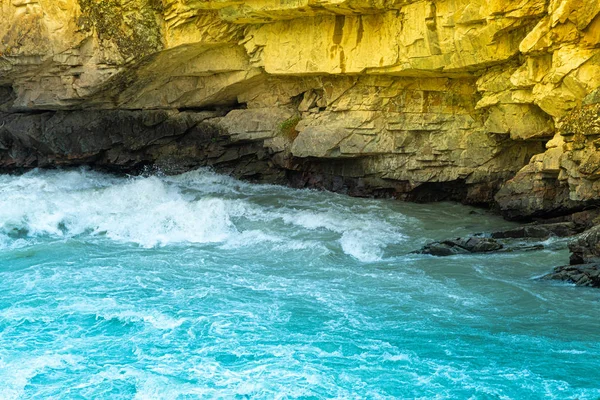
(288, 128)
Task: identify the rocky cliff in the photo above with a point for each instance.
(425, 100)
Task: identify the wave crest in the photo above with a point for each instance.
(198, 207)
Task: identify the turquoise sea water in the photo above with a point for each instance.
(201, 286)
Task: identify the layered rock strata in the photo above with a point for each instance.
(130, 141)
(565, 178)
(423, 100)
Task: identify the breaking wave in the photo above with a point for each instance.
(198, 207)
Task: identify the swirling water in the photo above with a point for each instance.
(201, 286)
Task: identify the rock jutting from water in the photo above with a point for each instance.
(581, 275)
(523, 238)
(584, 268)
(451, 247)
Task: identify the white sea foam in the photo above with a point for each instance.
(16, 375)
(396, 357)
(575, 352)
(198, 207)
(29, 314)
(143, 210)
(358, 244)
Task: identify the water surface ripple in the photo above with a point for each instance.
(201, 286)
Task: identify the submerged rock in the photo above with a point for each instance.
(581, 275)
(461, 246)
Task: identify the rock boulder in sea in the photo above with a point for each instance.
(580, 275)
(584, 268)
(461, 246)
(488, 103)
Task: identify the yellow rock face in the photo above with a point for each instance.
(426, 90)
(81, 44)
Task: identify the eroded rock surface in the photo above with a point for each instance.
(581, 275)
(584, 268)
(565, 178)
(422, 100)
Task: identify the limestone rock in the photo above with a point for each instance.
(565, 177)
(521, 121)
